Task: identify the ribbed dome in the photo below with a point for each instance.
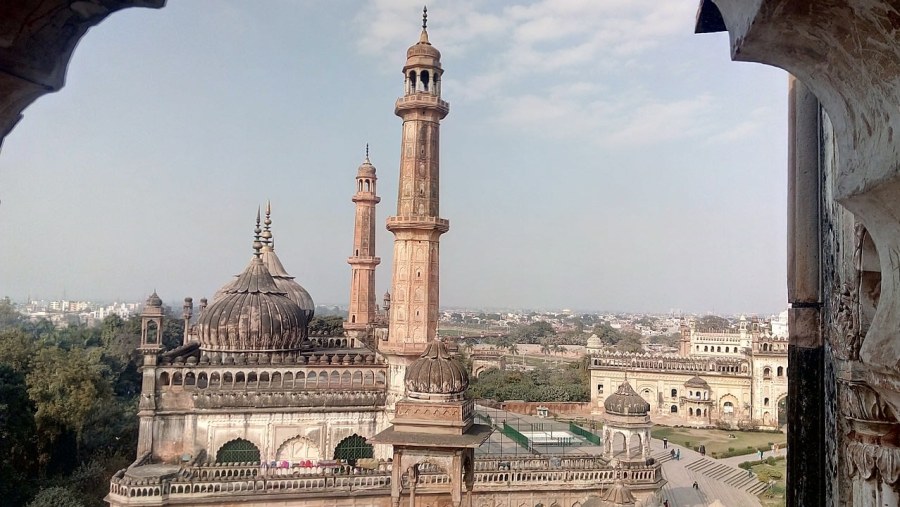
(626, 401)
(696, 381)
(252, 315)
(286, 282)
(594, 343)
(435, 373)
(618, 494)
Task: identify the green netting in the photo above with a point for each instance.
(352, 449)
(238, 451)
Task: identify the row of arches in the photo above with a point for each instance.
(423, 81)
(365, 185)
(770, 347)
(276, 380)
(350, 450)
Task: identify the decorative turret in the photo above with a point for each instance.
(151, 325)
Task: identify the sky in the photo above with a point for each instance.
(598, 155)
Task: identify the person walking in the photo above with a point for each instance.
(665, 443)
(696, 486)
(678, 455)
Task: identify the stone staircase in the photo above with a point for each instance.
(732, 476)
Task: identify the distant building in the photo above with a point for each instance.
(733, 378)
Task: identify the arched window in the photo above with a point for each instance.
(176, 379)
(705, 348)
(727, 349)
(227, 379)
(674, 393)
(264, 379)
(765, 402)
(353, 448)
(719, 349)
(690, 411)
(164, 378)
(369, 379)
(412, 81)
(767, 372)
(424, 78)
(674, 409)
(215, 380)
(780, 371)
(238, 451)
(728, 407)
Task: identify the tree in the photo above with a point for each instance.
(9, 316)
(713, 322)
(56, 497)
(330, 325)
(66, 387)
(17, 437)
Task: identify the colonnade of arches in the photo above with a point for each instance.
(299, 380)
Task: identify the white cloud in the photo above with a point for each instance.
(557, 67)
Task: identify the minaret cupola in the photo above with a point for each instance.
(423, 73)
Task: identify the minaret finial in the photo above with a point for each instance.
(267, 230)
(257, 244)
(367, 152)
(423, 38)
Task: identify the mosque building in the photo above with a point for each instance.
(252, 410)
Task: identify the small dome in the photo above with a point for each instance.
(252, 315)
(154, 301)
(618, 494)
(436, 373)
(696, 381)
(366, 169)
(626, 401)
(594, 342)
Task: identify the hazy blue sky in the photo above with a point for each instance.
(597, 155)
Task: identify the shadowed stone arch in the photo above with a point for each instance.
(297, 448)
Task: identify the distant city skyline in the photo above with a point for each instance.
(622, 164)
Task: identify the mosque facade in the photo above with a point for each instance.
(726, 378)
(252, 410)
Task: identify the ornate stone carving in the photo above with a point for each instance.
(846, 339)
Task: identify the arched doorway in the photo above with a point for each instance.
(238, 451)
(781, 408)
(353, 448)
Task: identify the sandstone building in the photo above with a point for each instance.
(729, 378)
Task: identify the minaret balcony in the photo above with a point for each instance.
(418, 223)
(421, 100)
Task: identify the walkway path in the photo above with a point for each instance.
(719, 484)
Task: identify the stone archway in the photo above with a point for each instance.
(298, 448)
(239, 450)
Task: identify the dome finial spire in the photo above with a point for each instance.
(423, 39)
(257, 244)
(267, 229)
(367, 152)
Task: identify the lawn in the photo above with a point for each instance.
(719, 441)
(774, 497)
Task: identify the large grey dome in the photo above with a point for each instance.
(626, 401)
(252, 315)
(436, 373)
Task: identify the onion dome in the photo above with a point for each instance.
(252, 314)
(625, 401)
(696, 381)
(435, 375)
(284, 281)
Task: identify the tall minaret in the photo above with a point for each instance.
(417, 227)
(363, 261)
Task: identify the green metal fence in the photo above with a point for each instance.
(581, 432)
(514, 435)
